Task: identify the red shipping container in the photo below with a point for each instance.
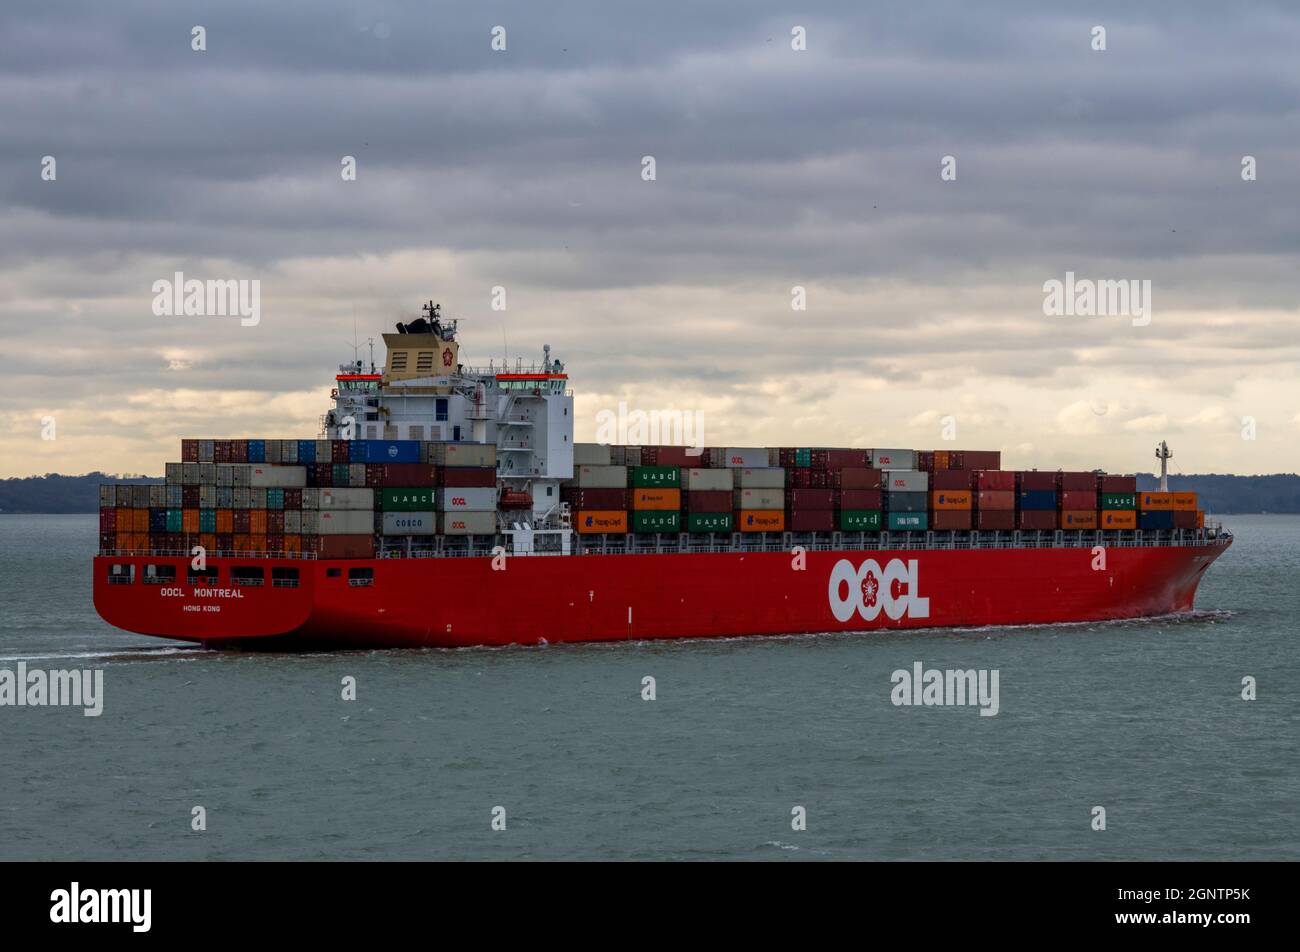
(107, 519)
(860, 499)
(1185, 519)
(1076, 481)
(189, 451)
(340, 451)
(274, 522)
(842, 459)
(225, 542)
(341, 546)
(947, 520)
(810, 499)
(469, 477)
(813, 520)
(239, 451)
(670, 456)
(855, 478)
(1002, 480)
(107, 541)
(1076, 499)
(190, 497)
(981, 459)
(1117, 484)
(275, 542)
(1034, 480)
(1036, 519)
(810, 479)
(708, 500)
(995, 520)
(602, 500)
(293, 499)
(995, 499)
(950, 479)
(323, 474)
(241, 521)
(406, 475)
(927, 461)
(221, 451)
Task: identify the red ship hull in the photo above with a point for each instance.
(459, 602)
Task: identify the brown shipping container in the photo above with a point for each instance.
(949, 499)
(595, 521)
(607, 499)
(240, 520)
(860, 499)
(1077, 499)
(811, 478)
(982, 459)
(469, 477)
(408, 474)
(999, 520)
(940, 459)
(856, 478)
(1036, 519)
(842, 459)
(805, 500)
(950, 479)
(708, 500)
(344, 546)
(999, 480)
(947, 520)
(1070, 482)
(670, 456)
(190, 451)
(811, 520)
(1033, 480)
(925, 461)
(1117, 484)
(1078, 518)
(1185, 519)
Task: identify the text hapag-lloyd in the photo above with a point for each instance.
(895, 589)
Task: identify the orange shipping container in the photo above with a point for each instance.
(122, 541)
(950, 498)
(1200, 520)
(1155, 500)
(292, 544)
(190, 521)
(257, 523)
(140, 520)
(241, 542)
(1078, 519)
(1184, 501)
(941, 459)
(257, 542)
(657, 499)
(225, 520)
(125, 521)
(761, 520)
(592, 521)
(1118, 519)
(208, 541)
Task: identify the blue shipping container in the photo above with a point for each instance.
(1156, 519)
(386, 451)
(306, 451)
(1038, 499)
(907, 502)
(909, 521)
(257, 451)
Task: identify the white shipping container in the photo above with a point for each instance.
(467, 523)
(760, 499)
(265, 475)
(346, 521)
(753, 457)
(602, 477)
(292, 521)
(310, 522)
(893, 459)
(472, 499)
(705, 479)
(346, 499)
(906, 481)
(591, 454)
(410, 523)
(464, 454)
(766, 478)
(356, 474)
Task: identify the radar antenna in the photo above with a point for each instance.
(1164, 454)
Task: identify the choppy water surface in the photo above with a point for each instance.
(1143, 718)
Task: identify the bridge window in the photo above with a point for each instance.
(121, 574)
(361, 577)
(284, 578)
(440, 409)
(250, 575)
(159, 574)
(333, 573)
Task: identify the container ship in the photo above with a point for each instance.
(443, 505)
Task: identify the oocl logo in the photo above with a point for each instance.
(868, 589)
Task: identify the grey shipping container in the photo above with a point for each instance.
(288, 451)
(760, 478)
(225, 474)
(410, 523)
(207, 474)
(292, 521)
(760, 499)
(190, 474)
(346, 499)
(906, 481)
(172, 473)
(345, 521)
(477, 499)
(893, 459)
(239, 495)
(751, 457)
(906, 502)
(310, 522)
(591, 454)
(602, 477)
(708, 479)
(207, 450)
(467, 523)
(107, 495)
(283, 477)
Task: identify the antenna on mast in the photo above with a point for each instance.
(1164, 454)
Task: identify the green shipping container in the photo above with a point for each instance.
(174, 520)
(274, 499)
(416, 499)
(861, 520)
(647, 520)
(1118, 501)
(908, 522)
(342, 474)
(803, 457)
(207, 520)
(709, 522)
(651, 477)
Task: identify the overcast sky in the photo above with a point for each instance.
(775, 168)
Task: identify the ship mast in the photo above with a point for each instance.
(1164, 455)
